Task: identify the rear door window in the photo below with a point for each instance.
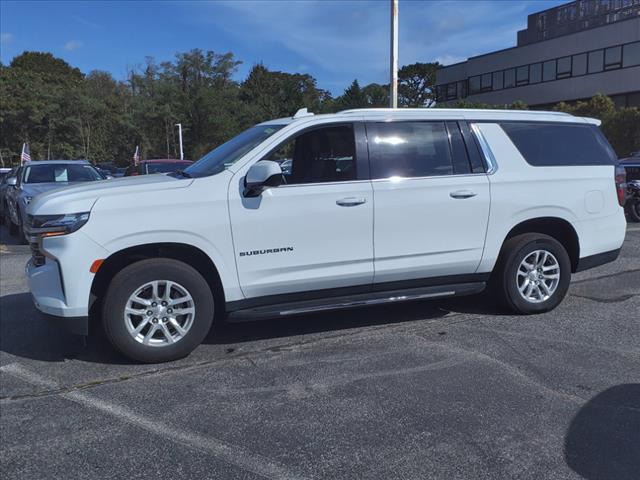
(409, 149)
(560, 144)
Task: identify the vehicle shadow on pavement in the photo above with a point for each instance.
(330, 321)
(26, 333)
(603, 440)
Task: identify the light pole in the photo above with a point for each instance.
(393, 81)
(179, 125)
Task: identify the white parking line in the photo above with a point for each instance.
(232, 454)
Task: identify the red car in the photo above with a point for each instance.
(160, 165)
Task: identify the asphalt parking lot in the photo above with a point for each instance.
(444, 390)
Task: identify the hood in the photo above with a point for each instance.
(80, 197)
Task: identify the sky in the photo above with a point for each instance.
(335, 41)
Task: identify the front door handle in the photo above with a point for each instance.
(462, 194)
(350, 201)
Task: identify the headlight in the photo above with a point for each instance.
(54, 225)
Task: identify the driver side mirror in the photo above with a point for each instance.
(12, 182)
(262, 175)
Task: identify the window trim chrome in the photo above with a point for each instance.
(490, 159)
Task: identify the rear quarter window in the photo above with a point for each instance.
(560, 144)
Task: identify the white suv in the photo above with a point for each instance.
(319, 212)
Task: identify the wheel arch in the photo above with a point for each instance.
(188, 254)
(557, 228)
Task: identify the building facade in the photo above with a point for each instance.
(566, 53)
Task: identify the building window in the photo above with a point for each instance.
(596, 60)
(631, 54)
(486, 82)
(451, 91)
(498, 80)
(549, 70)
(510, 78)
(474, 84)
(613, 58)
(579, 66)
(462, 89)
(522, 75)
(535, 73)
(564, 67)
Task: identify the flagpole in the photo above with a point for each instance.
(179, 125)
(393, 81)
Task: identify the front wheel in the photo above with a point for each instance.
(532, 274)
(633, 209)
(157, 310)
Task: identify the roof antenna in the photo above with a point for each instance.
(303, 112)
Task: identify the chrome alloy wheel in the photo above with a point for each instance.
(538, 276)
(159, 313)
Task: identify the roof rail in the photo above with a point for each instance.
(382, 110)
(303, 112)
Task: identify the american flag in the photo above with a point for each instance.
(24, 156)
(136, 156)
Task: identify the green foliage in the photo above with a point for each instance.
(620, 126)
(63, 113)
(417, 85)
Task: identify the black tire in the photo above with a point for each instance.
(128, 281)
(633, 210)
(504, 283)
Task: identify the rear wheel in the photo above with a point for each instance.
(532, 274)
(157, 310)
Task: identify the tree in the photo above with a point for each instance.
(278, 94)
(416, 84)
(353, 97)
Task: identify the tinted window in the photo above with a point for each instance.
(564, 67)
(474, 84)
(631, 54)
(596, 60)
(558, 144)
(579, 64)
(612, 58)
(486, 82)
(460, 158)
(510, 78)
(549, 70)
(522, 75)
(409, 149)
(535, 74)
(60, 173)
(325, 154)
(498, 80)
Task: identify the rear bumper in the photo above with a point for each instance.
(596, 260)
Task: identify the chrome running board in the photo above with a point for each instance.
(285, 309)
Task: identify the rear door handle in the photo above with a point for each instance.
(462, 194)
(350, 201)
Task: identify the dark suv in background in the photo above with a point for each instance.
(631, 166)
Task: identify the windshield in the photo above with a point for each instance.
(230, 152)
(165, 167)
(60, 173)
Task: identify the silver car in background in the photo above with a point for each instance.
(42, 176)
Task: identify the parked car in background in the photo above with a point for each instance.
(37, 177)
(462, 199)
(3, 172)
(161, 165)
(120, 171)
(631, 166)
(5, 183)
